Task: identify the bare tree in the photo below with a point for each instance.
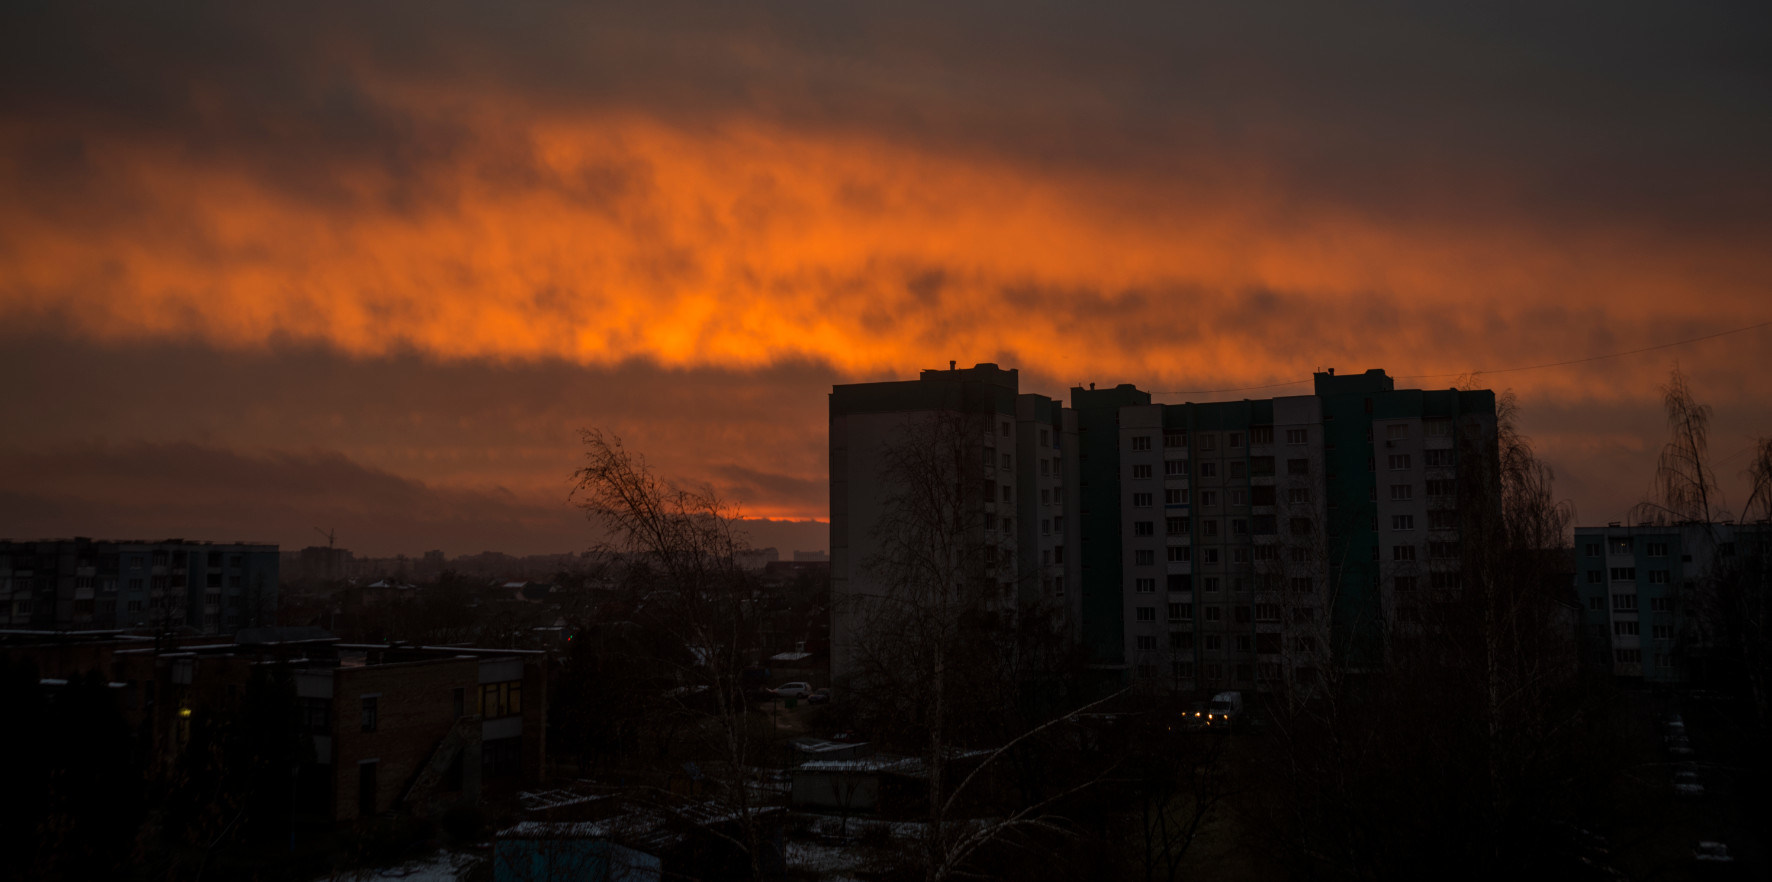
(942, 651)
(1759, 477)
(1685, 485)
(681, 544)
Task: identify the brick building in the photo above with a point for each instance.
(394, 728)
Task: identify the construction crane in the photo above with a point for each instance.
(329, 534)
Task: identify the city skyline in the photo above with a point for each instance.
(373, 271)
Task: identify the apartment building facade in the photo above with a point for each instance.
(994, 467)
(1245, 544)
(1649, 607)
(86, 584)
(1193, 547)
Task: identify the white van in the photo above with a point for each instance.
(1225, 707)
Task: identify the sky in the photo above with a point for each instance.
(266, 268)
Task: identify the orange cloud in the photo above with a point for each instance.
(598, 240)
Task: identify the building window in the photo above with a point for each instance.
(1146, 642)
(1213, 614)
(1144, 528)
(1402, 522)
(1301, 584)
(1437, 459)
(1624, 574)
(1261, 435)
(1208, 498)
(1662, 632)
(1658, 549)
(1298, 467)
(1145, 586)
(1175, 439)
(1624, 629)
(366, 787)
(1402, 492)
(1209, 555)
(1442, 519)
(1661, 604)
(1396, 431)
(1658, 577)
(1628, 656)
(1623, 602)
(1211, 584)
(1208, 470)
(1144, 557)
(1141, 500)
(1174, 616)
(369, 713)
(1298, 436)
(1441, 487)
(1180, 553)
(1442, 550)
(1208, 527)
(1147, 613)
(1402, 552)
(1404, 584)
(1174, 497)
(1175, 468)
(1239, 527)
(1141, 472)
(1141, 442)
(1399, 462)
(1008, 493)
(501, 757)
(1300, 526)
(501, 699)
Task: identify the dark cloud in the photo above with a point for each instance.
(147, 490)
(1444, 113)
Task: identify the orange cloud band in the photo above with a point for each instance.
(742, 245)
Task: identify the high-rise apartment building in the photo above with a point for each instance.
(987, 463)
(83, 584)
(1241, 544)
(1650, 606)
(1227, 545)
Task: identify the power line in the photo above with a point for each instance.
(1508, 370)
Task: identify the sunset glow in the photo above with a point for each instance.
(433, 196)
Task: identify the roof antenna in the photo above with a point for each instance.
(950, 364)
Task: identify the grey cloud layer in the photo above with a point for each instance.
(1577, 111)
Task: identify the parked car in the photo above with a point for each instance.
(820, 696)
(1712, 852)
(797, 689)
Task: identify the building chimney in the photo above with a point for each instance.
(950, 364)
